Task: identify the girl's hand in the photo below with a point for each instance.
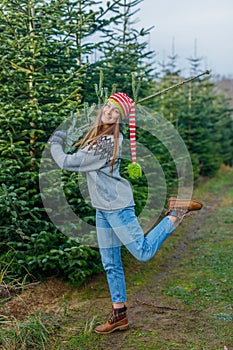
(59, 136)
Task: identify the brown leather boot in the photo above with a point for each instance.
(117, 321)
(181, 207)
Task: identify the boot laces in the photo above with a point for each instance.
(116, 316)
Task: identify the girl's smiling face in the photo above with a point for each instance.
(110, 114)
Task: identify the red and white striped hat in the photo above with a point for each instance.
(127, 108)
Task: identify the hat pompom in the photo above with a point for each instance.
(134, 170)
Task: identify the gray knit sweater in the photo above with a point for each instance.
(107, 189)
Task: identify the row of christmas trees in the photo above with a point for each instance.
(51, 56)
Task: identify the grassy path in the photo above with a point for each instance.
(181, 299)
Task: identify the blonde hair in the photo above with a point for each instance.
(97, 131)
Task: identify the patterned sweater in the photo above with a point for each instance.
(107, 189)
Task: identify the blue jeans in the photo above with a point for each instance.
(118, 227)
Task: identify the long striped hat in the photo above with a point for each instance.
(127, 109)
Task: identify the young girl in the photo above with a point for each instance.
(116, 223)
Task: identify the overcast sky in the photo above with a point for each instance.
(208, 23)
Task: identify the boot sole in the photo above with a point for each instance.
(119, 328)
(179, 203)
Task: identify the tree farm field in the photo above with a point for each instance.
(180, 299)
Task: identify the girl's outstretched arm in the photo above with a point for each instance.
(87, 159)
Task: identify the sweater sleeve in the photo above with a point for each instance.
(86, 159)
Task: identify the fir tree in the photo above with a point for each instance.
(41, 77)
(125, 52)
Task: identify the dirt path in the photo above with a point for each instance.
(172, 303)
